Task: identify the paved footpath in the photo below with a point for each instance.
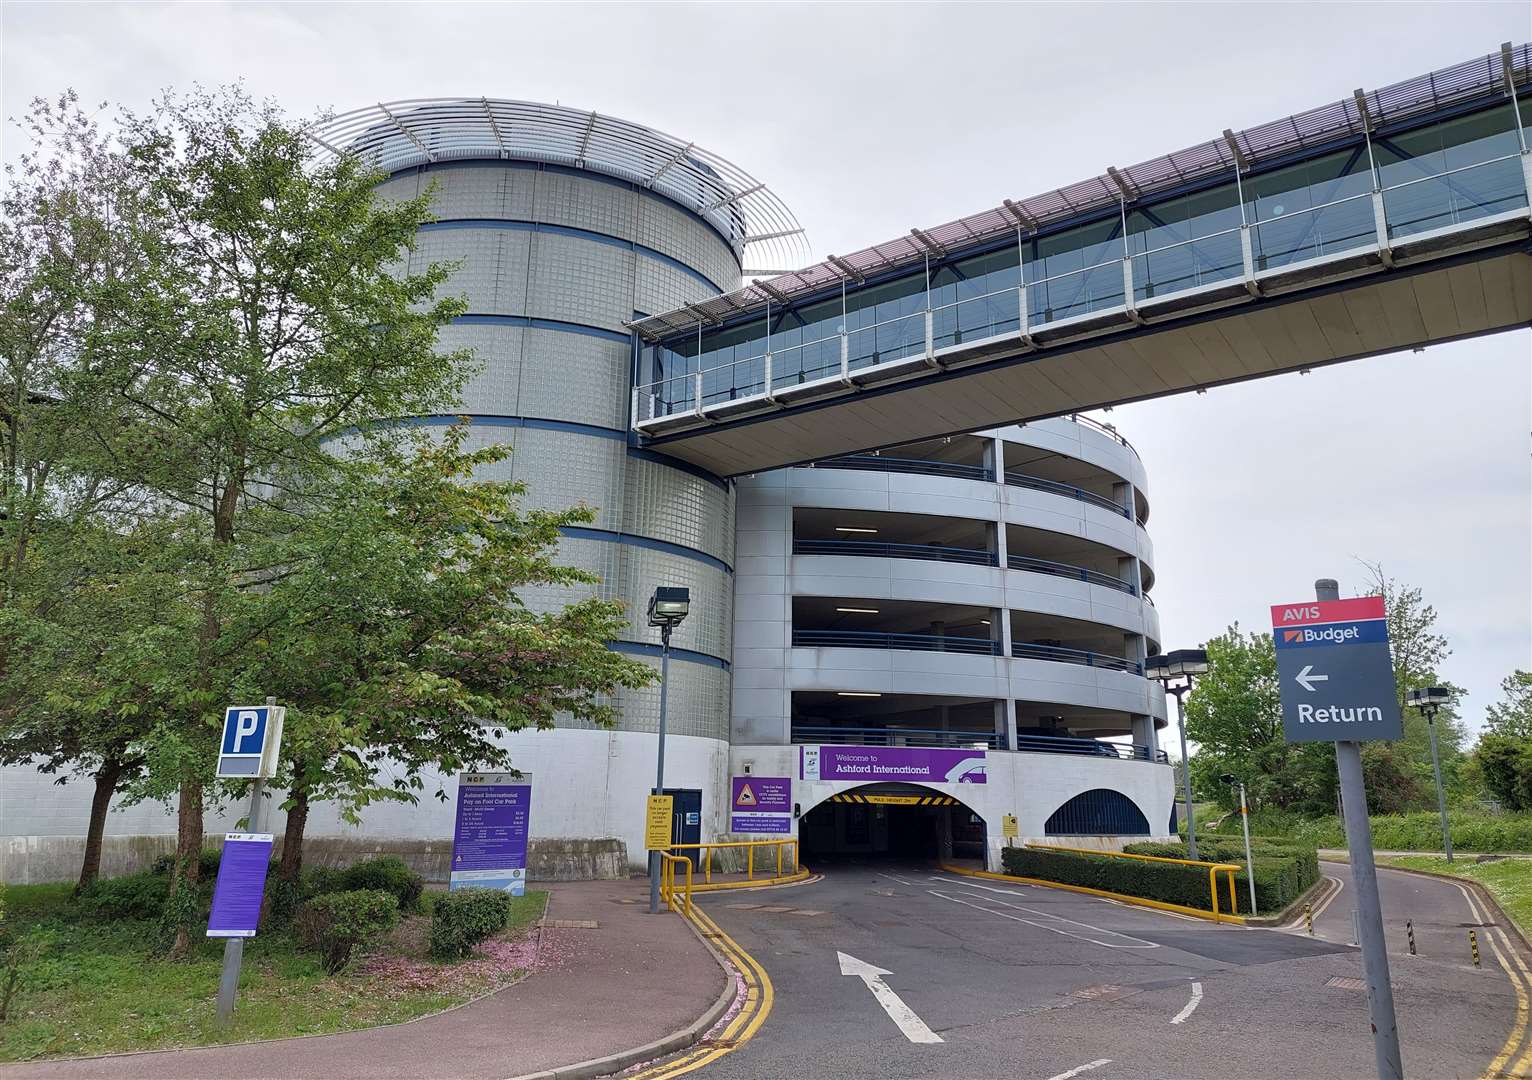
(1020, 982)
(634, 979)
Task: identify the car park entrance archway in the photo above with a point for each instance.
(892, 822)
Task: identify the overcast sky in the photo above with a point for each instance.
(870, 119)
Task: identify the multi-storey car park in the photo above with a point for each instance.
(904, 592)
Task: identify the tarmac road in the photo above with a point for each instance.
(1024, 981)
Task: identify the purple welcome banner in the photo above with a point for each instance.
(918, 764)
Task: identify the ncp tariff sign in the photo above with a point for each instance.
(1334, 671)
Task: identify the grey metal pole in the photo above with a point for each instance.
(1364, 876)
(1186, 773)
(1244, 817)
(234, 947)
(1441, 797)
(659, 769)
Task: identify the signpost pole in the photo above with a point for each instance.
(1364, 875)
(659, 769)
(234, 947)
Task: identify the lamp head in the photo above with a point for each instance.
(1428, 697)
(1178, 664)
(669, 605)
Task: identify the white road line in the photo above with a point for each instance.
(1078, 1069)
(1016, 891)
(1049, 915)
(1142, 944)
(1191, 1006)
(900, 880)
(913, 1027)
(1473, 908)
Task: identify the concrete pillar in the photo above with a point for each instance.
(1005, 722)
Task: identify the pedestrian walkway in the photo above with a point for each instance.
(632, 979)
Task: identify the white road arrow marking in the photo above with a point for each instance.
(1078, 1069)
(1306, 678)
(914, 1027)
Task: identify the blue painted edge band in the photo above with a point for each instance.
(569, 230)
(676, 463)
(566, 170)
(640, 648)
(610, 537)
(555, 325)
(488, 420)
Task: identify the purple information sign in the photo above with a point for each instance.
(926, 765)
(489, 839)
(241, 884)
(761, 804)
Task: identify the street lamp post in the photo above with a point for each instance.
(1428, 699)
(667, 609)
(1184, 665)
(1244, 817)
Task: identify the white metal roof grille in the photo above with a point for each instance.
(397, 135)
(1421, 95)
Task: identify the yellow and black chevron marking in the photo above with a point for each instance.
(895, 800)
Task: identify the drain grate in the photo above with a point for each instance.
(1342, 983)
(571, 924)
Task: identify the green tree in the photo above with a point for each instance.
(1234, 714)
(1512, 715)
(393, 624)
(268, 316)
(1504, 753)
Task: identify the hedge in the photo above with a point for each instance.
(388, 873)
(1422, 831)
(1281, 874)
(339, 924)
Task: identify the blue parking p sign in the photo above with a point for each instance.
(252, 735)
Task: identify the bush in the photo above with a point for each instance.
(207, 864)
(386, 873)
(339, 924)
(1471, 830)
(138, 896)
(462, 919)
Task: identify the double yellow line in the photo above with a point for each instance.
(758, 999)
(1502, 1068)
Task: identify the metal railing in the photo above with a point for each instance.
(1075, 656)
(879, 549)
(875, 639)
(1213, 869)
(895, 736)
(1095, 577)
(1068, 744)
(890, 463)
(706, 850)
(1037, 483)
(669, 864)
(1438, 202)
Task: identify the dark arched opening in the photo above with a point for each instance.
(1098, 812)
(903, 823)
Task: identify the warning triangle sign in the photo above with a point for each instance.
(746, 797)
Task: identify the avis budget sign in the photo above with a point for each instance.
(1335, 672)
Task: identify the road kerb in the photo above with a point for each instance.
(1124, 898)
(670, 1044)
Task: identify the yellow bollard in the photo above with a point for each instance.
(1409, 929)
(1308, 916)
(1473, 947)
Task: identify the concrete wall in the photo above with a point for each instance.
(1031, 786)
(586, 786)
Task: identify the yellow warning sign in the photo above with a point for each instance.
(746, 797)
(657, 824)
(1008, 827)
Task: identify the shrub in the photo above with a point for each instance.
(1282, 873)
(339, 924)
(207, 864)
(462, 919)
(137, 896)
(389, 874)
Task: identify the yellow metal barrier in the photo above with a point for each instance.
(668, 866)
(749, 846)
(1214, 869)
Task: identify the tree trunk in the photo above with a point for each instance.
(291, 864)
(106, 786)
(188, 853)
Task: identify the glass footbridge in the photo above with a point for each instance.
(1393, 219)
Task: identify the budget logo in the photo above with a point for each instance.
(1292, 635)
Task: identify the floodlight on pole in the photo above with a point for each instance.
(1176, 671)
(1428, 699)
(668, 608)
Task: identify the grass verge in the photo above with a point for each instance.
(96, 987)
(1509, 881)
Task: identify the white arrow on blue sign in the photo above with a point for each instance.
(252, 738)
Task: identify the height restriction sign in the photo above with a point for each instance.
(1334, 671)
